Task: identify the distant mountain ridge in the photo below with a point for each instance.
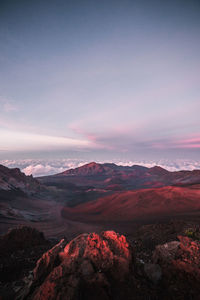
(94, 168)
(122, 177)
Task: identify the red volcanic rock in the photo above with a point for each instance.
(48, 260)
(105, 266)
(188, 258)
(92, 266)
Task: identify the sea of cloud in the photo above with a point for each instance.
(43, 167)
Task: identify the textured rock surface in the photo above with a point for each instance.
(105, 266)
(165, 253)
(48, 260)
(187, 259)
(180, 263)
(91, 264)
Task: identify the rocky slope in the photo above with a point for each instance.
(15, 180)
(110, 266)
(87, 267)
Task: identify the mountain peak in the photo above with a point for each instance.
(92, 164)
(110, 169)
(158, 170)
(89, 169)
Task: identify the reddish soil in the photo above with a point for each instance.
(138, 205)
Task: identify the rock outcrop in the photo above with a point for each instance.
(180, 263)
(164, 254)
(105, 266)
(92, 266)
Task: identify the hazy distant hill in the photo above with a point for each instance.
(113, 177)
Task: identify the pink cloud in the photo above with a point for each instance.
(189, 142)
(95, 138)
(185, 143)
(125, 138)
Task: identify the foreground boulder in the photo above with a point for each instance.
(180, 263)
(92, 266)
(104, 266)
(164, 254)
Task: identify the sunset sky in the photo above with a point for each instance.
(100, 79)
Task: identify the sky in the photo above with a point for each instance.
(99, 80)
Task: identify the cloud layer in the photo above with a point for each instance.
(43, 167)
(23, 141)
